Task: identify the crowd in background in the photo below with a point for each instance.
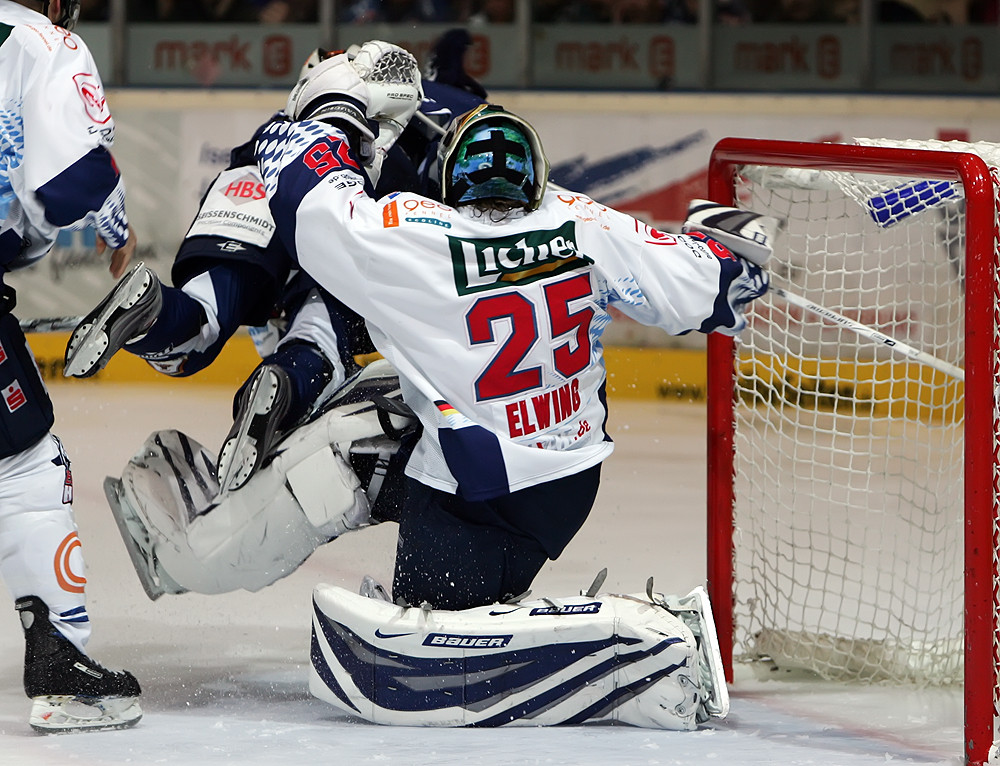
(553, 11)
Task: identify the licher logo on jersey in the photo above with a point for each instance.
(467, 642)
(245, 189)
(92, 93)
(14, 396)
(488, 264)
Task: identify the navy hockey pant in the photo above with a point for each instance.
(457, 554)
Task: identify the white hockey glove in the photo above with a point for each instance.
(748, 235)
(395, 92)
(334, 92)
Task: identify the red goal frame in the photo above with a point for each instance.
(981, 372)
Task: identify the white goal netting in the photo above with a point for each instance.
(849, 459)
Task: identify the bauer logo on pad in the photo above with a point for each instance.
(467, 642)
(592, 608)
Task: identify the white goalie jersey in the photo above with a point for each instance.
(495, 328)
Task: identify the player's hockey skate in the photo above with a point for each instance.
(68, 690)
(126, 313)
(137, 542)
(696, 612)
(263, 404)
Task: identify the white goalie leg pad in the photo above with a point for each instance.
(249, 538)
(531, 663)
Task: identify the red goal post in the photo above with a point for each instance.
(777, 389)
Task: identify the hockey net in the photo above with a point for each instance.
(852, 490)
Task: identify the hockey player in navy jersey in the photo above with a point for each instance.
(230, 271)
(56, 171)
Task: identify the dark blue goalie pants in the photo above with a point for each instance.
(457, 554)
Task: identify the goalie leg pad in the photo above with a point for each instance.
(531, 663)
(194, 539)
(183, 535)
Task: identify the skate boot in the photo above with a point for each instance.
(125, 314)
(68, 690)
(262, 405)
(696, 612)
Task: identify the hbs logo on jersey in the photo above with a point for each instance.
(488, 264)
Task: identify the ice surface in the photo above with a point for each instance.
(224, 677)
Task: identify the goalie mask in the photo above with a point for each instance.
(69, 16)
(489, 153)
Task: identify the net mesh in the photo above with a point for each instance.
(849, 508)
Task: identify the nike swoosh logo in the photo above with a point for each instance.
(509, 611)
(380, 634)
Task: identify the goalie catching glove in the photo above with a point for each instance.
(374, 85)
(394, 89)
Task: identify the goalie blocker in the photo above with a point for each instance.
(748, 235)
(647, 660)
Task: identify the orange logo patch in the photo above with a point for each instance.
(390, 215)
(68, 580)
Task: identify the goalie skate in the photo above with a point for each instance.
(68, 690)
(137, 542)
(696, 612)
(263, 404)
(127, 312)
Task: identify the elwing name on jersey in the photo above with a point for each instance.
(488, 264)
(541, 411)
